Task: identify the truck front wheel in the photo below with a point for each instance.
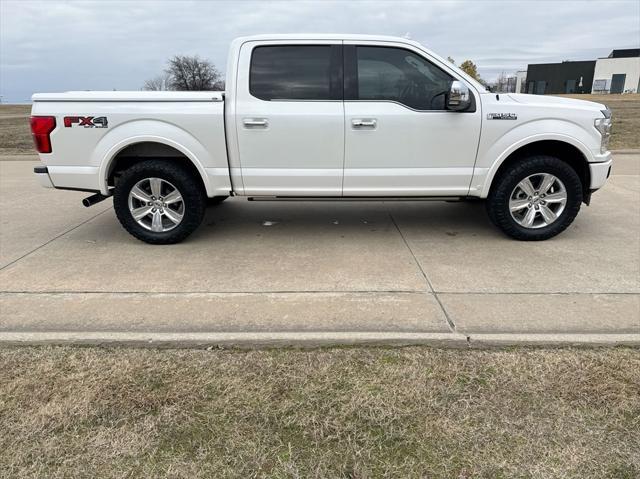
(535, 198)
(159, 202)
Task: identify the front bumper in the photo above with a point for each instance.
(42, 174)
(600, 172)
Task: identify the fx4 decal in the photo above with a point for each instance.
(86, 121)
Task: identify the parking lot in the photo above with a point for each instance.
(317, 273)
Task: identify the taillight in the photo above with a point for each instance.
(41, 127)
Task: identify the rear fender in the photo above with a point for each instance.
(130, 133)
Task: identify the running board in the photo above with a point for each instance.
(358, 198)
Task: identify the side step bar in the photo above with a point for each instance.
(357, 198)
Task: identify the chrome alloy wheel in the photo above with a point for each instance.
(156, 205)
(538, 200)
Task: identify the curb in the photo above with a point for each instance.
(554, 340)
(238, 340)
(628, 151)
(313, 339)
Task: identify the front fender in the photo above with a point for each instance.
(130, 133)
(493, 152)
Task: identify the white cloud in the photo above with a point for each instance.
(54, 45)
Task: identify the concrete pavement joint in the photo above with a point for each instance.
(541, 293)
(53, 239)
(450, 322)
(331, 291)
(293, 291)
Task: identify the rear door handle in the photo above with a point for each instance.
(255, 122)
(364, 123)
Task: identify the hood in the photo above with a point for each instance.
(546, 100)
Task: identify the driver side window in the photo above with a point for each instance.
(394, 74)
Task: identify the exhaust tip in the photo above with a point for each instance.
(93, 199)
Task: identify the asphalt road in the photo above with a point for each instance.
(309, 273)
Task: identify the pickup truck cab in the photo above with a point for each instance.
(331, 116)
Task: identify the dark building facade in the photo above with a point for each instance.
(625, 53)
(565, 77)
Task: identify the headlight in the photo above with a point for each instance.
(603, 125)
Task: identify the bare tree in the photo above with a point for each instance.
(504, 83)
(187, 73)
(191, 73)
(158, 83)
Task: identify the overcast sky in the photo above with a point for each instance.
(56, 45)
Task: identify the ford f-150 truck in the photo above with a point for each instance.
(325, 116)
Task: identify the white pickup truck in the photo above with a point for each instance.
(325, 116)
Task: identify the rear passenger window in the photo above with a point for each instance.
(399, 75)
(301, 72)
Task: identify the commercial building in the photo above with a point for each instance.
(565, 77)
(521, 81)
(618, 73)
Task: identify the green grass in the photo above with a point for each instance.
(350, 412)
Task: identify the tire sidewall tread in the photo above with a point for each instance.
(498, 199)
(192, 194)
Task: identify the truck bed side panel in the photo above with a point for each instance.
(82, 155)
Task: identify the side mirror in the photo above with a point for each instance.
(459, 97)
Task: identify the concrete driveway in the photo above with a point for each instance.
(317, 273)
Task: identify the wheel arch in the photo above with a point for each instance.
(131, 141)
(139, 148)
(139, 151)
(574, 153)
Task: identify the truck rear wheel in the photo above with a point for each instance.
(535, 199)
(159, 202)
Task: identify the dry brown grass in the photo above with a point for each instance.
(362, 412)
(626, 118)
(15, 137)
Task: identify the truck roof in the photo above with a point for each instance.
(237, 43)
(324, 36)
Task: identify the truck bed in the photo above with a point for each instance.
(133, 123)
(123, 96)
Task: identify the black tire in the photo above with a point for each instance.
(189, 187)
(505, 184)
(216, 200)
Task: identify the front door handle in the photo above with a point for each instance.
(364, 123)
(255, 122)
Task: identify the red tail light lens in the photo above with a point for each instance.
(41, 128)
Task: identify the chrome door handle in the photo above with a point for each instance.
(364, 123)
(255, 122)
